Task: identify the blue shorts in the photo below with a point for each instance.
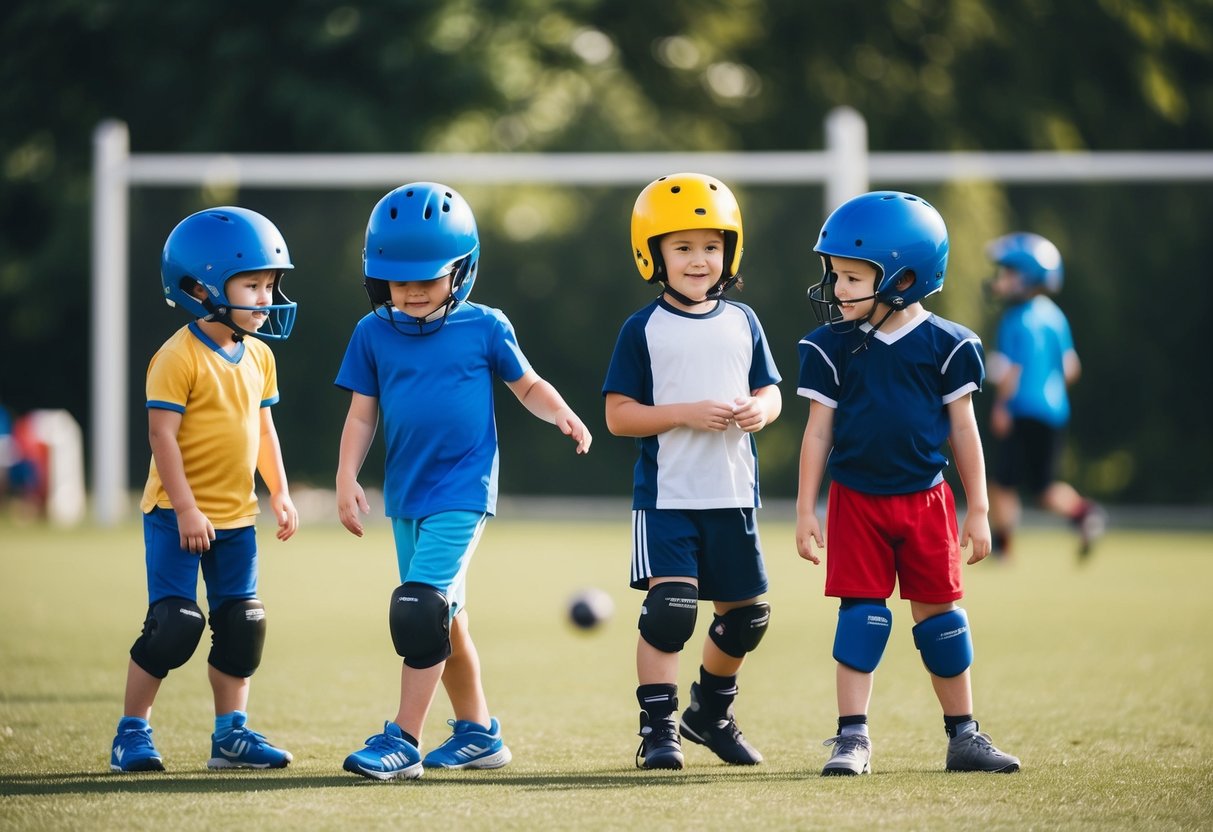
(719, 547)
(437, 550)
(229, 567)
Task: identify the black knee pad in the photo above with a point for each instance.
(237, 637)
(667, 618)
(420, 621)
(739, 630)
(170, 636)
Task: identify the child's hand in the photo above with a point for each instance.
(709, 415)
(351, 501)
(808, 532)
(976, 529)
(570, 425)
(195, 529)
(285, 514)
(749, 414)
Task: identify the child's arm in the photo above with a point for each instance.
(542, 399)
(971, 466)
(814, 450)
(273, 474)
(195, 528)
(1000, 417)
(753, 413)
(627, 417)
(356, 439)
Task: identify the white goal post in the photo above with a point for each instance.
(844, 167)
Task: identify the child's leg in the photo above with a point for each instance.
(461, 677)
(141, 690)
(417, 689)
(230, 692)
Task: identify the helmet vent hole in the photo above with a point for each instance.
(676, 189)
(886, 198)
(713, 187)
(858, 243)
(701, 211)
(408, 192)
(393, 212)
(239, 254)
(446, 207)
(428, 212)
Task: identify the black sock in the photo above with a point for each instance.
(716, 693)
(951, 723)
(853, 719)
(658, 701)
(409, 738)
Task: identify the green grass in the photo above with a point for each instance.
(1098, 677)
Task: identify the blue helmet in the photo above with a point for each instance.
(211, 246)
(895, 232)
(418, 232)
(1037, 260)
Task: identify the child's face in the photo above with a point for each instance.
(1006, 283)
(694, 260)
(419, 298)
(250, 289)
(856, 280)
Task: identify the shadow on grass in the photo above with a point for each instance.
(93, 783)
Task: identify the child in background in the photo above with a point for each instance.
(426, 357)
(209, 392)
(1033, 367)
(692, 379)
(889, 383)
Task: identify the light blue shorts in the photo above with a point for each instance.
(436, 551)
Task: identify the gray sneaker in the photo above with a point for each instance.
(852, 755)
(975, 752)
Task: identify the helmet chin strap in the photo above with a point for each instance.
(715, 293)
(863, 345)
(440, 314)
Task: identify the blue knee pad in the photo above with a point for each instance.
(862, 633)
(945, 643)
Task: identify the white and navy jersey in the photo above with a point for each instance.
(436, 396)
(667, 356)
(890, 398)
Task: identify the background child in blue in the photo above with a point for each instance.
(427, 358)
(889, 383)
(692, 378)
(209, 392)
(1033, 367)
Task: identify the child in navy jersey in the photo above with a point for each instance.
(692, 379)
(889, 383)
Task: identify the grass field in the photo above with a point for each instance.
(1098, 677)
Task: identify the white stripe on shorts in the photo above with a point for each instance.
(640, 546)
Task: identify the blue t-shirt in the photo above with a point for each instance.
(436, 396)
(1035, 336)
(667, 356)
(890, 399)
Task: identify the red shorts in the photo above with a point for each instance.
(876, 540)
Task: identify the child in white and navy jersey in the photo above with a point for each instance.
(692, 379)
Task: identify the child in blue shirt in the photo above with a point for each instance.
(426, 358)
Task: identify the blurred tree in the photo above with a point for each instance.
(576, 75)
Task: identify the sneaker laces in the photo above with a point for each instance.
(383, 740)
(137, 739)
(846, 744)
(248, 735)
(658, 731)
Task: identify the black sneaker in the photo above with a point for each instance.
(722, 736)
(659, 743)
(974, 752)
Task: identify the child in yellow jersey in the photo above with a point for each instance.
(209, 392)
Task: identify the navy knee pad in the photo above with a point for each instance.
(171, 633)
(945, 643)
(237, 637)
(667, 618)
(861, 635)
(739, 630)
(420, 621)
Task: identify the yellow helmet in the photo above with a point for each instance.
(679, 202)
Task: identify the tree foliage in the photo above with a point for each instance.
(598, 75)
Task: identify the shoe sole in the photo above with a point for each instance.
(844, 772)
(139, 767)
(220, 764)
(495, 760)
(411, 773)
(689, 734)
(1011, 768)
(668, 760)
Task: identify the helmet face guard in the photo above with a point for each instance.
(419, 232)
(1034, 258)
(899, 234)
(679, 202)
(212, 246)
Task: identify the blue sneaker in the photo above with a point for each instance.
(386, 756)
(133, 749)
(242, 748)
(470, 746)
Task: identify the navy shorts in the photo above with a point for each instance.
(229, 567)
(719, 547)
(1028, 457)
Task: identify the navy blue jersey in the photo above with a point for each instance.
(436, 396)
(667, 356)
(890, 399)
